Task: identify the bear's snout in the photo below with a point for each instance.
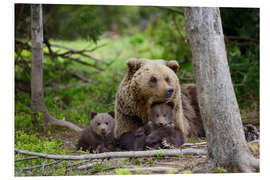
(169, 92)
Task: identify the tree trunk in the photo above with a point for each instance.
(227, 146)
(37, 95)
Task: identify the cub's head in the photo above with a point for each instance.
(102, 123)
(162, 114)
(153, 81)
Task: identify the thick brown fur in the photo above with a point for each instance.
(191, 110)
(98, 137)
(147, 82)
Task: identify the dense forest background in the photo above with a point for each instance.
(85, 50)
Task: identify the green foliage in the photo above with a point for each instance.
(168, 33)
(137, 39)
(187, 172)
(242, 39)
(36, 143)
(122, 171)
(159, 154)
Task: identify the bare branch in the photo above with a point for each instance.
(61, 123)
(172, 9)
(152, 153)
(27, 158)
(79, 76)
(75, 51)
(42, 165)
(75, 60)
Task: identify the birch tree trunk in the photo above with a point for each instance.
(227, 146)
(37, 95)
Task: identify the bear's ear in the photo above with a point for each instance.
(111, 113)
(93, 114)
(134, 64)
(173, 65)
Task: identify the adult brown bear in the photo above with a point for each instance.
(147, 82)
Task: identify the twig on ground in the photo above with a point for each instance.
(152, 153)
(195, 144)
(43, 165)
(27, 158)
(76, 164)
(102, 170)
(157, 169)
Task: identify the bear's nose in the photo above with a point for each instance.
(161, 124)
(169, 92)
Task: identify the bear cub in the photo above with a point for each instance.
(98, 137)
(159, 130)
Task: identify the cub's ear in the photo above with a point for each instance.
(173, 65)
(111, 113)
(93, 114)
(134, 64)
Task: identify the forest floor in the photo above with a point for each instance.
(183, 164)
(147, 165)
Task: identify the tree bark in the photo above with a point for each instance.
(227, 146)
(37, 95)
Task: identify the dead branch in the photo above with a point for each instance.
(201, 144)
(27, 158)
(75, 51)
(172, 9)
(61, 123)
(152, 153)
(89, 165)
(42, 165)
(79, 76)
(158, 169)
(77, 163)
(61, 87)
(75, 60)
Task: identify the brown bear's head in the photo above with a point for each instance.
(153, 81)
(102, 124)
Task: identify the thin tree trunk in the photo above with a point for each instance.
(227, 146)
(37, 95)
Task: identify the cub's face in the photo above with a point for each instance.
(162, 114)
(102, 124)
(154, 82)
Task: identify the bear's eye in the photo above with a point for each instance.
(153, 79)
(164, 115)
(157, 115)
(98, 124)
(167, 79)
(106, 123)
